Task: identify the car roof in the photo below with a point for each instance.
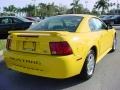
(82, 15)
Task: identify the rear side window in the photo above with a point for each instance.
(58, 23)
(96, 24)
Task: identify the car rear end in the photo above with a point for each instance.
(44, 54)
(47, 49)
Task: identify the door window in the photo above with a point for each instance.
(96, 25)
(5, 21)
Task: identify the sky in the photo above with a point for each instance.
(22, 3)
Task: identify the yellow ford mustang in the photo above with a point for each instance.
(60, 46)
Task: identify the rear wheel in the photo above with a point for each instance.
(89, 65)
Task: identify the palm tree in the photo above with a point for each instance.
(42, 9)
(102, 4)
(62, 9)
(20, 11)
(5, 9)
(30, 10)
(11, 9)
(75, 5)
(52, 9)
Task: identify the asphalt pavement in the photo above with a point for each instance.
(106, 77)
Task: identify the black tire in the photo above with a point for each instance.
(114, 44)
(84, 73)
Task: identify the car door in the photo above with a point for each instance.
(18, 24)
(105, 36)
(5, 25)
(117, 20)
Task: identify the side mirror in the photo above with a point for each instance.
(109, 26)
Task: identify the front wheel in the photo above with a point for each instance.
(89, 65)
(114, 44)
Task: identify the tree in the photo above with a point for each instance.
(52, 9)
(86, 11)
(75, 5)
(46, 10)
(95, 12)
(29, 10)
(42, 9)
(102, 4)
(11, 9)
(62, 9)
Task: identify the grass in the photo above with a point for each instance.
(2, 44)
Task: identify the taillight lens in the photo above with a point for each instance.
(60, 48)
(8, 44)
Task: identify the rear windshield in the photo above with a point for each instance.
(23, 19)
(58, 23)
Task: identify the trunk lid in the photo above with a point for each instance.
(34, 41)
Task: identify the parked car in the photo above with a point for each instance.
(107, 18)
(8, 23)
(102, 16)
(60, 46)
(114, 20)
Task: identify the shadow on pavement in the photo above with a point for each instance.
(11, 80)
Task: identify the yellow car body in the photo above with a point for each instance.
(31, 54)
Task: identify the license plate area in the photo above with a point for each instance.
(29, 46)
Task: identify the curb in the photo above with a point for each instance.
(1, 55)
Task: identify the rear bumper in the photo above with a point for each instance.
(43, 65)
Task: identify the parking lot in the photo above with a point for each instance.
(106, 77)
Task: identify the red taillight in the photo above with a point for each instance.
(60, 48)
(8, 44)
